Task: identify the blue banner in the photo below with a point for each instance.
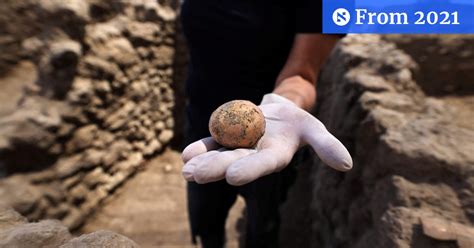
(398, 16)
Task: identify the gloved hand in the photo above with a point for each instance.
(288, 127)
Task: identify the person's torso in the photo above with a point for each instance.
(237, 48)
(236, 44)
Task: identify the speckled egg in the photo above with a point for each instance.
(237, 124)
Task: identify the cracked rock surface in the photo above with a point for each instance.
(412, 141)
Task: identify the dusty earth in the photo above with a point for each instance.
(151, 208)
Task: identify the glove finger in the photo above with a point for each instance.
(251, 167)
(329, 149)
(213, 168)
(190, 166)
(199, 147)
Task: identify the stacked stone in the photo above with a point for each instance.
(412, 152)
(107, 89)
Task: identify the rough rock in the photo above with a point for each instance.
(410, 141)
(10, 218)
(46, 233)
(446, 230)
(18, 193)
(100, 239)
(15, 231)
(82, 96)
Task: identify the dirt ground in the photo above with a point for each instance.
(151, 208)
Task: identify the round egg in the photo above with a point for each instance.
(237, 124)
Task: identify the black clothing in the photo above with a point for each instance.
(237, 49)
(209, 204)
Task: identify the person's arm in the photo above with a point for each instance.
(297, 79)
(287, 126)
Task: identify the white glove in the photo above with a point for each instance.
(288, 127)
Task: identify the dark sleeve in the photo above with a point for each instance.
(309, 17)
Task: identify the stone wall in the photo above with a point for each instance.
(90, 98)
(411, 140)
